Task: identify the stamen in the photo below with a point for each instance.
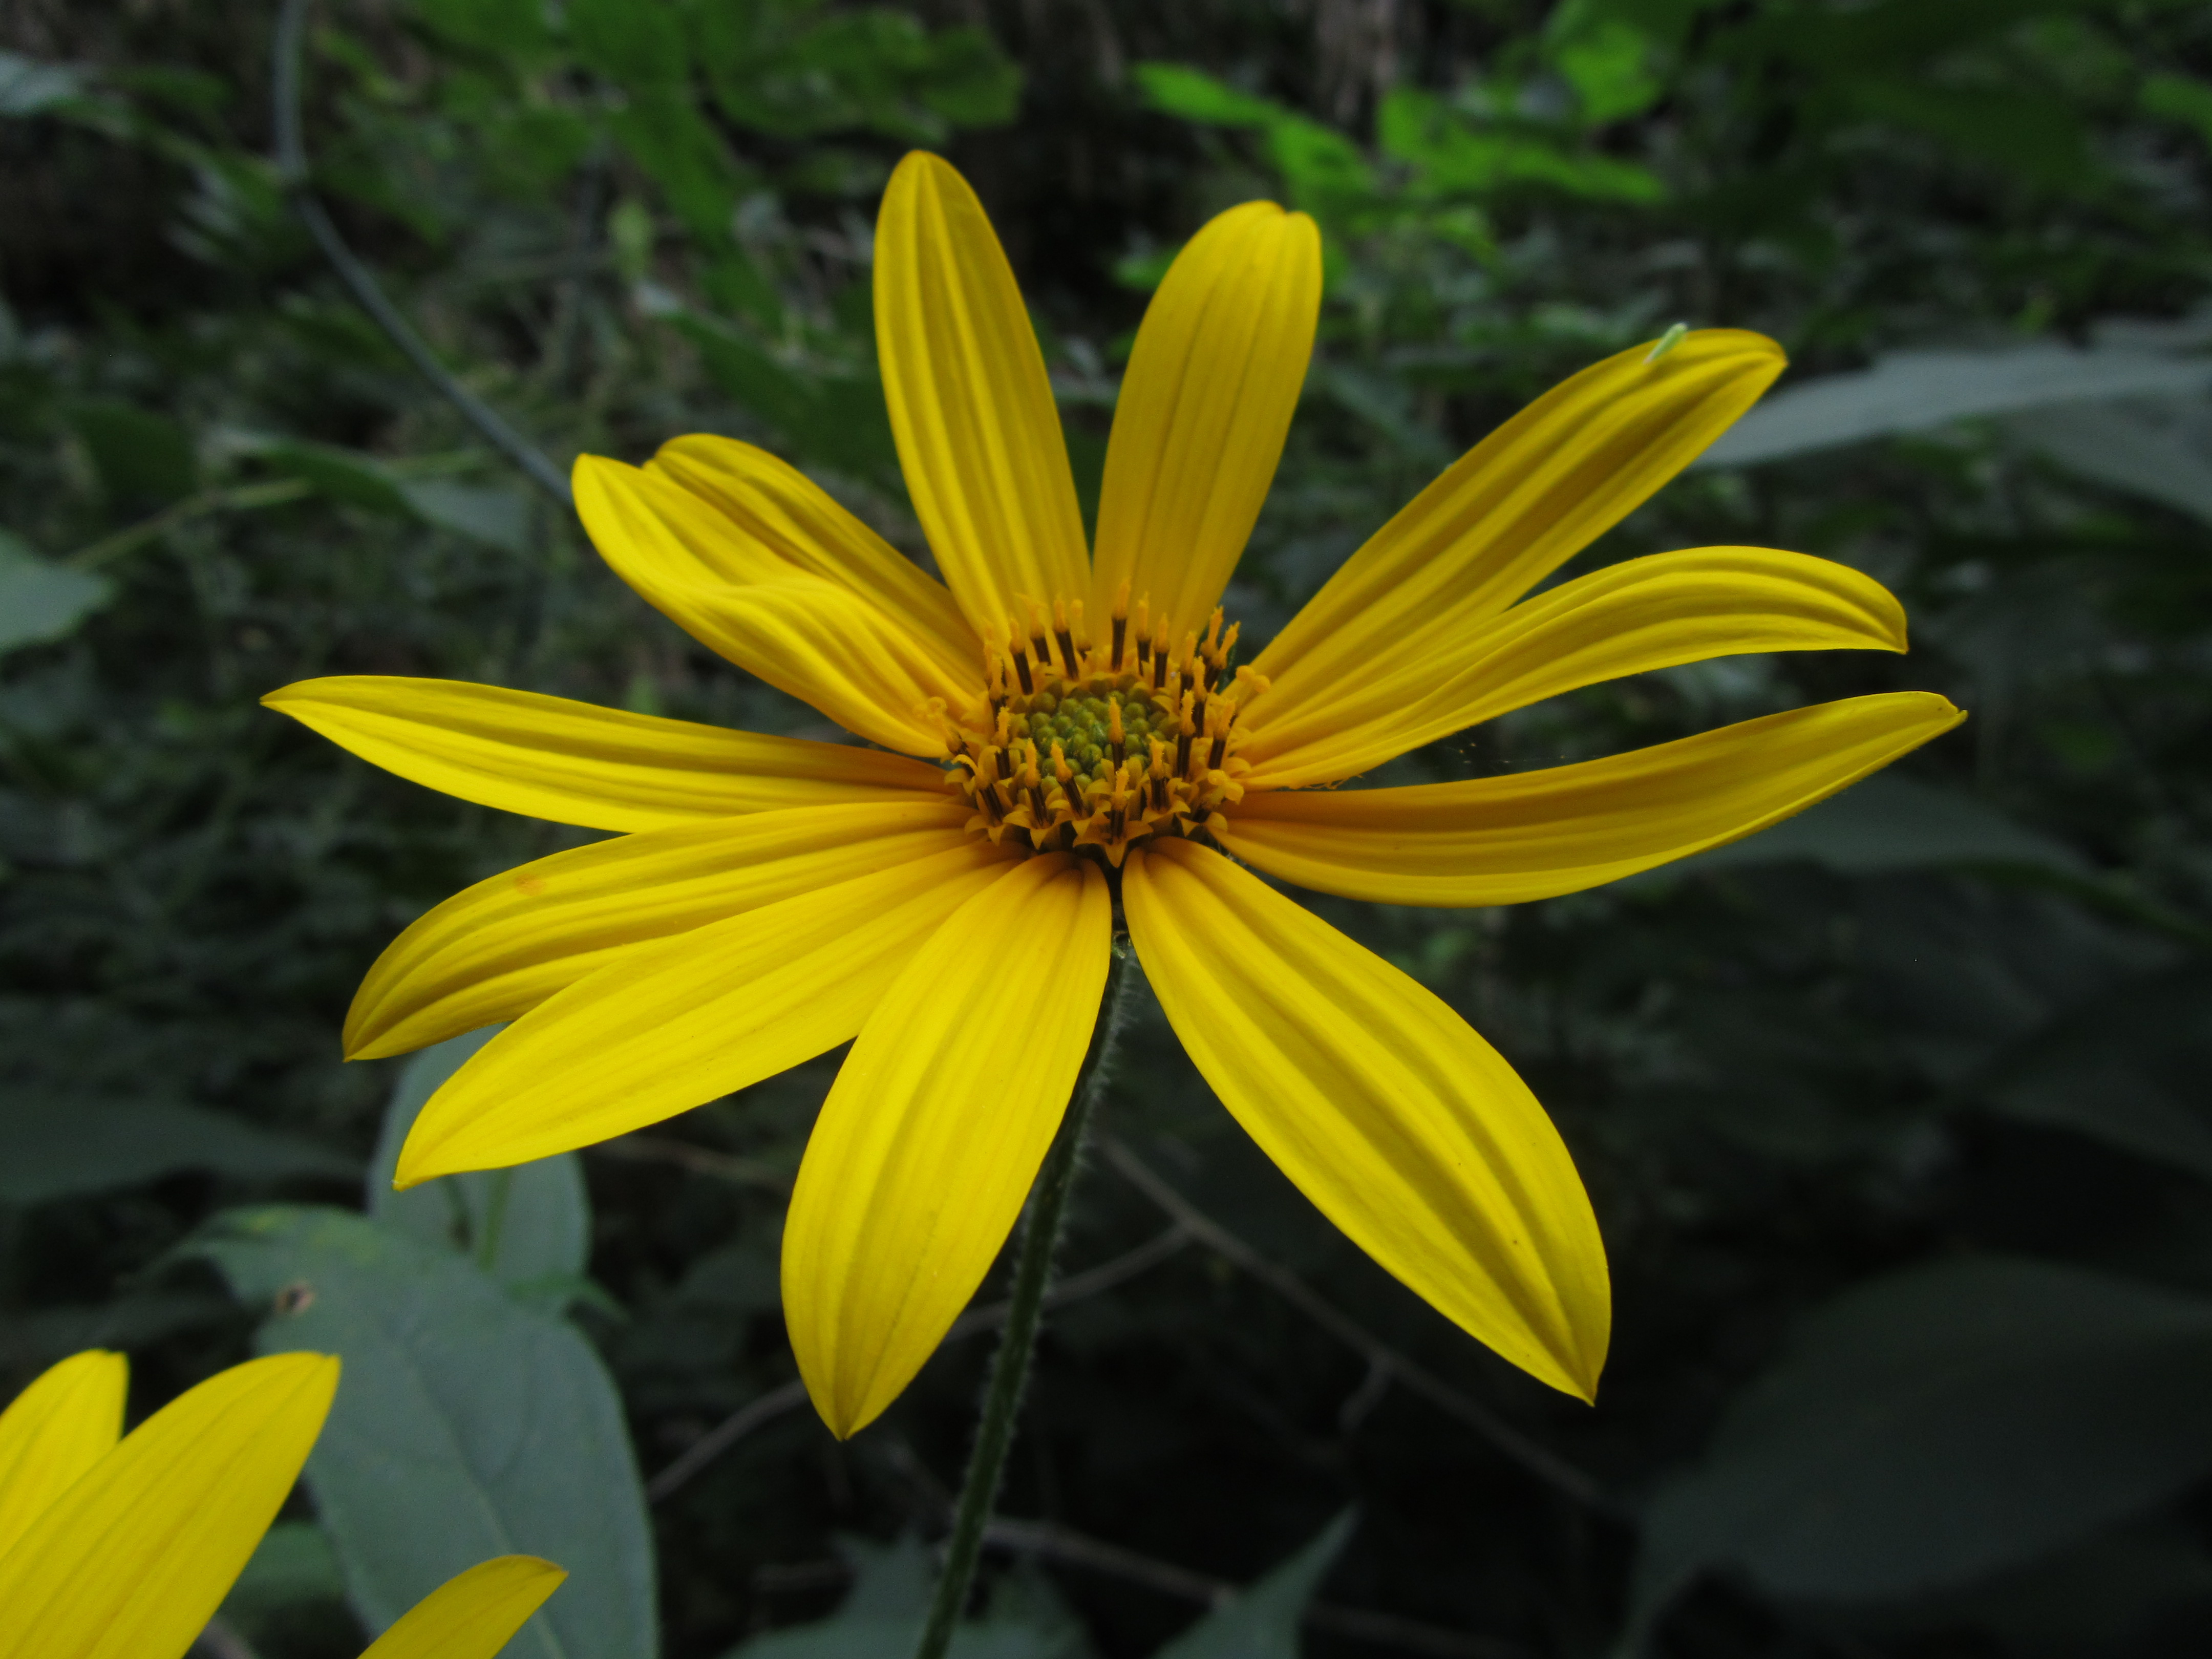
(1120, 628)
(1060, 632)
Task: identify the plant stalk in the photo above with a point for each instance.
(1010, 1365)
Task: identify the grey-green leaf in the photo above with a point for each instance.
(466, 1427)
(1262, 1623)
(41, 600)
(1943, 1424)
(1921, 391)
(531, 1222)
(54, 1146)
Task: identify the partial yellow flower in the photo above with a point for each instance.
(1070, 733)
(116, 1547)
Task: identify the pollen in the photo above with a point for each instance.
(1090, 744)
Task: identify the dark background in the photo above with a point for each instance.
(1896, 1120)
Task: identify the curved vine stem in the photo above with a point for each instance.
(1010, 1365)
(291, 172)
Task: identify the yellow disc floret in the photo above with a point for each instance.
(1078, 743)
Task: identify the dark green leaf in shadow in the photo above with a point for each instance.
(1929, 1428)
(55, 1147)
(144, 459)
(1889, 823)
(1262, 1623)
(2128, 1069)
(466, 1427)
(883, 1613)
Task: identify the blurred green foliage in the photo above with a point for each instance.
(1895, 1117)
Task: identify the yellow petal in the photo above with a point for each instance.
(66, 1421)
(782, 523)
(1204, 409)
(862, 665)
(978, 433)
(1627, 618)
(497, 950)
(471, 1616)
(660, 1030)
(1533, 834)
(130, 1561)
(575, 762)
(935, 1129)
(1522, 501)
(1403, 1126)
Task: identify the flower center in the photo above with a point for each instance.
(1080, 743)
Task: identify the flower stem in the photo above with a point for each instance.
(1010, 1365)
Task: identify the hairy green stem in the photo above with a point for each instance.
(1010, 1365)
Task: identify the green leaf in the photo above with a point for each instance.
(535, 1217)
(341, 475)
(2153, 447)
(2128, 1069)
(1450, 157)
(142, 458)
(493, 514)
(883, 1613)
(41, 601)
(1928, 1428)
(292, 1565)
(2177, 97)
(838, 420)
(1921, 391)
(501, 27)
(1262, 1623)
(53, 1147)
(1611, 63)
(466, 1427)
(1177, 89)
(1889, 823)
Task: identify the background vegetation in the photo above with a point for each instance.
(1895, 1117)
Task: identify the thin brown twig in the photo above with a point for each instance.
(1546, 1465)
(700, 1160)
(791, 1395)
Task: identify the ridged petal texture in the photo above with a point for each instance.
(1534, 835)
(655, 1033)
(926, 1148)
(575, 762)
(1519, 504)
(1402, 1126)
(775, 509)
(498, 949)
(1627, 618)
(66, 1421)
(473, 1614)
(1206, 403)
(130, 1562)
(971, 407)
(824, 639)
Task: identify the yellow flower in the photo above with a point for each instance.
(125, 1551)
(1065, 729)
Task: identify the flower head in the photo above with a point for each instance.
(122, 1547)
(1067, 731)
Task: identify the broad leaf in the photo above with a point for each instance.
(1890, 822)
(466, 1426)
(1263, 1622)
(1920, 390)
(41, 600)
(1935, 1426)
(54, 1146)
(883, 1613)
(529, 1225)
